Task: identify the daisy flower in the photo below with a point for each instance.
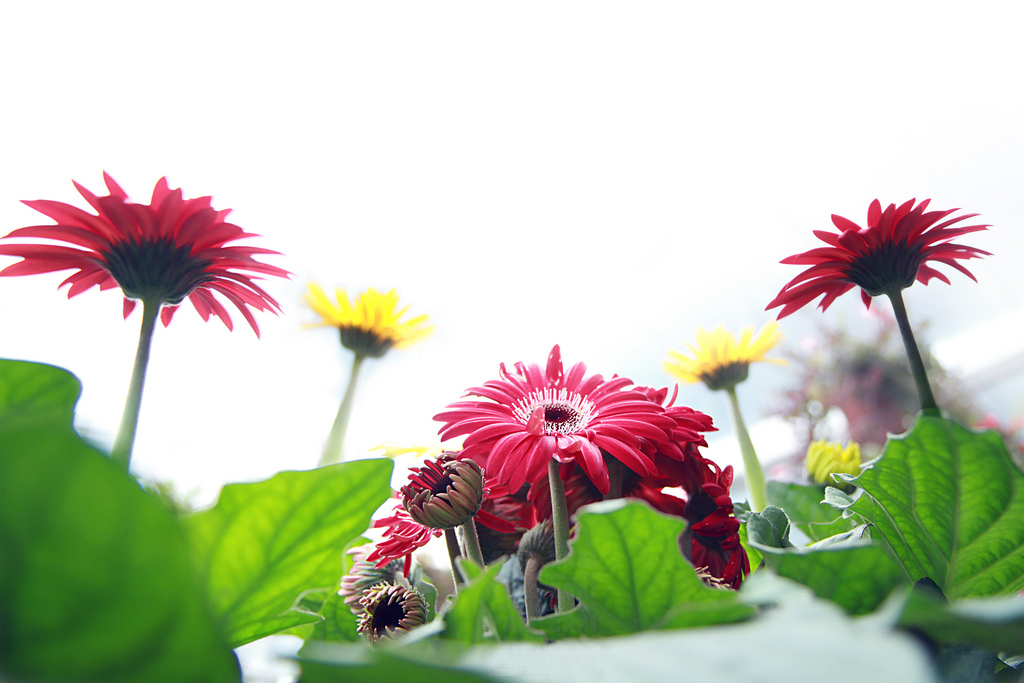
(885, 257)
(720, 359)
(159, 253)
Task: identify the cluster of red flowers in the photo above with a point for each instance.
(628, 441)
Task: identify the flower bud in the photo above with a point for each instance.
(825, 458)
(390, 610)
(445, 493)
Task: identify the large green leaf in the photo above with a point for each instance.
(96, 584)
(800, 639)
(264, 544)
(950, 504)
(626, 570)
(483, 611)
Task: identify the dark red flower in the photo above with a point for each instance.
(530, 416)
(159, 253)
(883, 258)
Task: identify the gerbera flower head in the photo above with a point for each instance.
(159, 253)
(529, 416)
(721, 360)
(371, 324)
(885, 257)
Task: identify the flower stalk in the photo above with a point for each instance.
(752, 466)
(472, 541)
(560, 522)
(454, 553)
(333, 451)
(924, 387)
(124, 442)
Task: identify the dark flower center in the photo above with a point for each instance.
(890, 267)
(387, 616)
(366, 343)
(155, 270)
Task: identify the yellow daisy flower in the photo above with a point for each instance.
(719, 359)
(371, 324)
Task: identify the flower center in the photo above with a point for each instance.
(889, 267)
(155, 269)
(563, 412)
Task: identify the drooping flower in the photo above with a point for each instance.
(883, 258)
(719, 359)
(371, 324)
(403, 536)
(159, 253)
(390, 610)
(825, 458)
(530, 416)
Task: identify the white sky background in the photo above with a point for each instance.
(606, 176)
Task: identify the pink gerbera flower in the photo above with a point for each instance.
(159, 253)
(883, 258)
(530, 416)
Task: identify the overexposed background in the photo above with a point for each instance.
(605, 176)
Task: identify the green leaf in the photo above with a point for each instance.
(34, 393)
(95, 579)
(338, 625)
(626, 569)
(805, 506)
(769, 528)
(995, 624)
(264, 544)
(950, 504)
(846, 569)
(483, 611)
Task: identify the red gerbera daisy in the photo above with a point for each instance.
(158, 253)
(530, 416)
(883, 258)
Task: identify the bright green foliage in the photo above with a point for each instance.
(950, 504)
(626, 569)
(95, 578)
(483, 611)
(851, 571)
(264, 544)
(805, 507)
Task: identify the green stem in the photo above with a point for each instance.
(755, 476)
(530, 588)
(924, 387)
(454, 554)
(560, 523)
(336, 439)
(472, 541)
(121, 451)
